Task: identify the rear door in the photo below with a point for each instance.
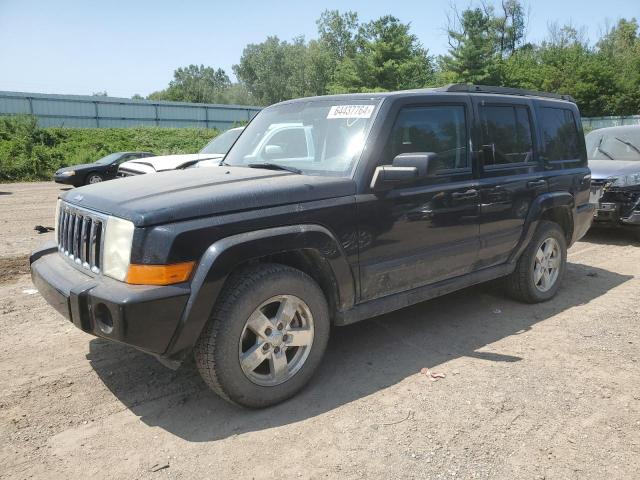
(510, 172)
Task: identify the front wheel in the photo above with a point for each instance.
(93, 178)
(265, 337)
(541, 267)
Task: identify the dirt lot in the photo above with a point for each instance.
(546, 391)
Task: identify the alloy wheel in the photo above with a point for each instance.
(547, 264)
(276, 340)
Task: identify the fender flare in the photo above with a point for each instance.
(226, 254)
(540, 205)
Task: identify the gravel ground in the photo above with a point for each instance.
(545, 391)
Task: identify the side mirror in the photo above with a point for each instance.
(406, 167)
(273, 151)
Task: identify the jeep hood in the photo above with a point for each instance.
(605, 169)
(166, 162)
(186, 194)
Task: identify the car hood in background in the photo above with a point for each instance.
(83, 166)
(192, 193)
(605, 169)
(166, 162)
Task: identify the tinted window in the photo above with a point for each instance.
(292, 141)
(559, 134)
(506, 134)
(440, 130)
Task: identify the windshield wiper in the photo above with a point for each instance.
(608, 155)
(275, 166)
(628, 143)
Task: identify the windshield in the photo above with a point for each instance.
(614, 144)
(323, 137)
(109, 159)
(222, 143)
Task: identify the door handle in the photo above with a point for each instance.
(537, 183)
(468, 194)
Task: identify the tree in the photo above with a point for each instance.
(563, 63)
(619, 49)
(337, 33)
(276, 70)
(195, 83)
(510, 27)
(387, 57)
(472, 43)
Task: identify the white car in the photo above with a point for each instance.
(212, 153)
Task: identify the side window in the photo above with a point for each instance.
(437, 129)
(292, 141)
(559, 134)
(506, 134)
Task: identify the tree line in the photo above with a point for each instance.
(487, 45)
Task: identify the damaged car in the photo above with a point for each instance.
(210, 155)
(614, 160)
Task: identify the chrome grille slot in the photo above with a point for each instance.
(80, 234)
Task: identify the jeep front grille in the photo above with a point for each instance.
(79, 236)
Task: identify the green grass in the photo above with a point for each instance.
(29, 153)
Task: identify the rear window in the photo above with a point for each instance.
(559, 134)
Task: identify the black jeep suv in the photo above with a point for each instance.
(326, 211)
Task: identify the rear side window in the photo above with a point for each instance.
(506, 134)
(559, 134)
(437, 129)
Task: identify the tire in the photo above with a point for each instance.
(92, 178)
(523, 283)
(227, 336)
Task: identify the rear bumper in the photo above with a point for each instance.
(142, 316)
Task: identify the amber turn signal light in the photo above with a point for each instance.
(159, 274)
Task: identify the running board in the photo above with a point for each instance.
(396, 301)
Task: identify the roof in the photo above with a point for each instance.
(448, 89)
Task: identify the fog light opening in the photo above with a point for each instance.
(102, 315)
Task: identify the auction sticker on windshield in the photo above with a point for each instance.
(351, 111)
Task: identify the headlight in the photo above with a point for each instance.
(116, 255)
(627, 180)
(68, 173)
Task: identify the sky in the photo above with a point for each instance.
(129, 47)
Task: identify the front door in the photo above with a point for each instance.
(426, 231)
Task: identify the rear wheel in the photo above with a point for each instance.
(541, 267)
(265, 337)
(93, 178)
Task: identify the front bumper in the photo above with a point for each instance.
(145, 317)
(66, 180)
(608, 214)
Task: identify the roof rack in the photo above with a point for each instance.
(463, 87)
